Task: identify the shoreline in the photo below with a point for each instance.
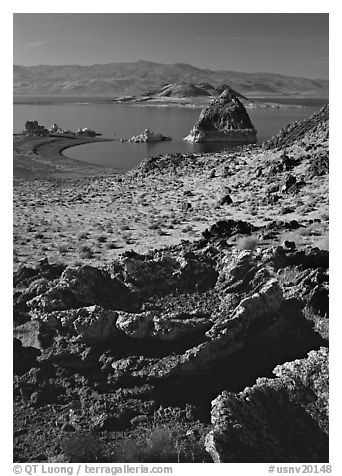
(259, 101)
(42, 157)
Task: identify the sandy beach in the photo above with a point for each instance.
(38, 157)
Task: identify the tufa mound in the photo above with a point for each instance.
(225, 119)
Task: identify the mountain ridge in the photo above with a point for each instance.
(138, 77)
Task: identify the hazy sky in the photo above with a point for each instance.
(291, 44)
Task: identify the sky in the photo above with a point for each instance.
(294, 44)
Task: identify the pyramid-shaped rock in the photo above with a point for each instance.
(224, 119)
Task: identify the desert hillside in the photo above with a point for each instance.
(118, 79)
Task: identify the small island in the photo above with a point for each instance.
(224, 120)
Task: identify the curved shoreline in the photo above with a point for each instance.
(37, 157)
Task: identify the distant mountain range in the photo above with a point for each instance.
(117, 79)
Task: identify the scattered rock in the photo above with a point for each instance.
(290, 245)
(227, 228)
(226, 200)
(287, 183)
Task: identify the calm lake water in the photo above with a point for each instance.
(128, 120)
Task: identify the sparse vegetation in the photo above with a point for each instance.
(81, 448)
(247, 243)
(85, 252)
(172, 442)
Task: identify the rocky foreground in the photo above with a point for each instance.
(213, 348)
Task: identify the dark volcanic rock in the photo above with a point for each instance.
(224, 229)
(25, 276)
(226, 200)
(319, 165)
(276, 420)
(225, 119)
(23, 357)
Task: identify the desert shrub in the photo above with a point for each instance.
(81, 448)
(170, 442)
(176, 221)
(112, 245)
(323, 243)
(127, 237)
(102, 239)
(85, 252)
(62, 249)
(83, 235)
(154, 226)
(247, 243)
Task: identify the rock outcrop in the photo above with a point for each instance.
(275, 420)
(180, 327)
(224, 120)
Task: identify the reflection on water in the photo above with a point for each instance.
(125, 155)
(128, 120)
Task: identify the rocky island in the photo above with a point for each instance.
(149, 136)
(225, 119)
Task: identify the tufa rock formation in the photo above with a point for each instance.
(271, 420)
(149, 136)
(225, 119)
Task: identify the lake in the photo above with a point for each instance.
(126, 120)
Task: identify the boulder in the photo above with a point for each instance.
(163, 328)
(33, 334)
(319, 165)
(82, 286)
(224, 119)
(225, 229)
(240, 274)
(287, 183)
(275, 420)
(225, 200)
(94, 324)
